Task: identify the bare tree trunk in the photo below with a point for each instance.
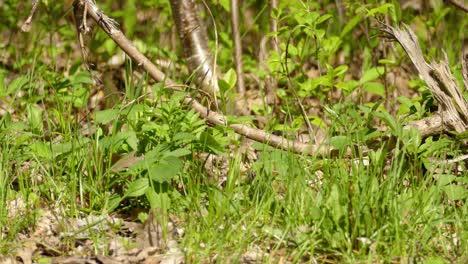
(237, 47)
(194, 39)
(271, 82)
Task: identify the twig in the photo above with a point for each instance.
(237, 47)
(450, 161)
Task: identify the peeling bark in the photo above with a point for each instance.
(453, 107)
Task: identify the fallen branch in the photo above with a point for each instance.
(453, 107)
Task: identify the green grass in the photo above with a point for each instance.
(391, 204)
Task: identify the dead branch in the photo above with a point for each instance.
(453, 107)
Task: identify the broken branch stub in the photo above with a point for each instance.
(194, 38)
(453, 107)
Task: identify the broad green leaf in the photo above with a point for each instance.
(445, 179)
(348, 86)
(323, 18)
(16, 85)
(390, 121)
(106, 116)
(81, 77)
(340, 142)
(42, 150)
(383, 9)
(113, 202)
(225, 4)
(137, 188)
(372, 74)
(165, 169)
(351, 24)
(180, 152)
(35, 115)
(456, 192)
(374, 87)
(209, 143)
(158, 200)
(230, 77)
(66, 147)
(132, 139)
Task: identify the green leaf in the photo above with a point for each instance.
(374, 87)
(372, 74)
(390, 121)
(42, 150)
(230, 77)
(323, 18)
(348, 86)
(351, 24)
(166, 169)
(445, 179)
(113, 202)
(209, 143)
(180, 152)
(158, 200)
(383, 9)
(82, 77)
(35, 115)
(132, 139)
(16, 85)
(106, 116)
(340, 142)
(455, 192)
(225, 4)
(137, 188)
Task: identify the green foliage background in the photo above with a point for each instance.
(391, 203)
